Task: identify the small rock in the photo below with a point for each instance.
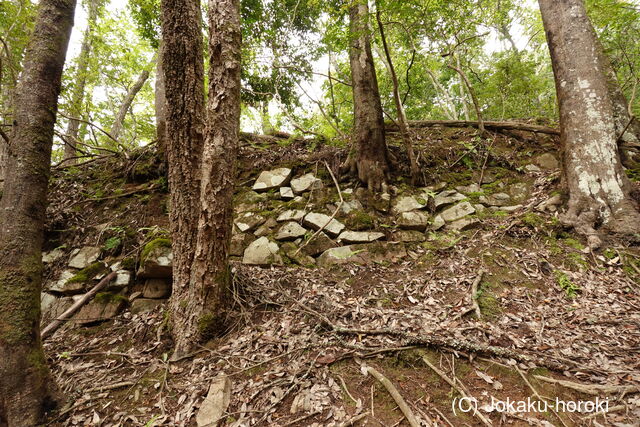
(316, 221)
(468, 189)
(216, 403)
(60, 284)
(341, 255)
(480, 208)
(447, 198)
(262, 252)
(51, 256)
(156, 289)
(290, 231)
(299, 257)
(158, 263)
(82, 258)
(319, 244)
(360, 236)
(506, 208)
(435, 187)
(550, 204)
(547, 161)
(249, 221)
(292, 215)
(463, 224)
(413, 221)
(458, 211)
(408, 236)
(272, 179)
(122, 280)
(407, 204)
(143, 305)
(519, 191)
(351, 205)
(286, 193)
(498, 199)
(305, 183)
(438, 223)
(531, 168)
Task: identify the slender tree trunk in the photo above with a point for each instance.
(160, 104)
(183, 65)
(26, 387)
(209, 294)
(402, 117)
(476, 105)
(371, 161)
(118, 123)
(599, 191)
(265, 121)
(80, 81)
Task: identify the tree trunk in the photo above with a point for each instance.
(402, 117)
(80, 81)
(26, 388)
(371, 160)
(183, 65)
(160, 104)
(210, 290)
(599, 191)
(118, 123)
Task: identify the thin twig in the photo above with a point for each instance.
(536, 394)
(393, 391)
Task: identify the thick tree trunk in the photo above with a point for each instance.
(209, 294)
(371, 159)
(599, 191)
(183, 65)
(26, 386)
(160, 104)
(402, 117)
(118, 123)
(80, 81)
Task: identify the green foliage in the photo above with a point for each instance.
(569, 288)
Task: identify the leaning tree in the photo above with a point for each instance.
(26, 389)
(599, 191)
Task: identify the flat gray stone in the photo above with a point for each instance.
(458, 211)
(158, 264)
(437, 223)
(84, 257)
(272, 179)
(305, 182)
(414, 220)
(463, 224)
(249, 221)
(407, 204)
(547, 161)
(360, 236)
(319, 244)
(468, 189)
(286, 193)
(262, 252)
(291, 215)
(59, 285)
(447, 198)
(122, 280)
(97, 311)
(214, 406)
(317, 221)
(341, 255)
(408, 236)
(506, 208)
(531, 168)
(498, 199)
(435, 187)
(143, 305)
(290, 231)
(51, 256)
(351, 205)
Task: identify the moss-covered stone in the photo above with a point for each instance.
(87, 274)
(152, 246)
(359, 220)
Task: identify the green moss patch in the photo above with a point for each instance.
(153, 245)
(88, 273)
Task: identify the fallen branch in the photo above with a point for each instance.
(487, 124)
(354, 420)
(53, 326)
(591, 389)
(536, 394)
(393, 391)
(455, 386)
(110, 386)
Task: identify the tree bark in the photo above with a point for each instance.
(26, 388)
(371, 160)
(118, 123)
(80, 81)
(160, 104)
(402, 117)
(599, 191)
(209, 293)
(183, 65)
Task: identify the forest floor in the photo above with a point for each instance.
(513, 310)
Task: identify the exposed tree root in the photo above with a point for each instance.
(489, 125)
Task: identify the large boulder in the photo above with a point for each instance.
(290, 231)
(262, 252)
(156, 260)
(457, 212)
(305, 183)
(360, 236)
(317, 221)
(82, 258)
(272, 179)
